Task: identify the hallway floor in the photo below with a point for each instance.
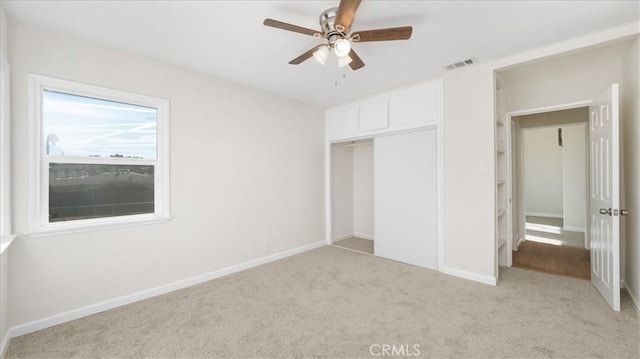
(550, 249)
(548, 258)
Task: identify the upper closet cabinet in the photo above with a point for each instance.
(416, 106)
(342, 122)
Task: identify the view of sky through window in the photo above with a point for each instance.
(81, 126)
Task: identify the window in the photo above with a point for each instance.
(100, 157)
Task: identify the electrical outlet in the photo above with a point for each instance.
(267, 247)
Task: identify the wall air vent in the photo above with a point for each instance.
(463, 63)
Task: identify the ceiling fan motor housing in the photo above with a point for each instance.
(328, 26)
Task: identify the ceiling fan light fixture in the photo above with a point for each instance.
(321, 55)
(342, 47)
(344, 61)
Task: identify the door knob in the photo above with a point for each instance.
(624, 212)
(605, 211)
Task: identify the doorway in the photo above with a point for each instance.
(550, 169)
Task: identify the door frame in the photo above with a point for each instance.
(521, 217)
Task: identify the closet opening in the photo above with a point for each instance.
(384, 196)
(352, 195)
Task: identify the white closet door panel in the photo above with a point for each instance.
(415, 106)
(342, 122)
(405, 198)
(374, 114)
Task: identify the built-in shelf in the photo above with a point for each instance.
(502, 170)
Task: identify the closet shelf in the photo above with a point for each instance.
(501, 182)
(501, 212)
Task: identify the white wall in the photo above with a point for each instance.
(246, 168)
(363, 191)
(342, 191)
(631, 152)
(574, 177)
(563, 79)
(4, 298)
(4, 256)
(542, 165)
(469, 177)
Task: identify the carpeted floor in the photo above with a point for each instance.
(336, 303)
(561, 260)
(357, 244)
(549, 230)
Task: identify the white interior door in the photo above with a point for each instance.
(604, 200)
(406, 198)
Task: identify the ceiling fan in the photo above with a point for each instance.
(335, 24)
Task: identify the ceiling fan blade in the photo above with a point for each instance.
(394, 33)
(289, 27)
(300, 59)
(357, 61)
(346, 12)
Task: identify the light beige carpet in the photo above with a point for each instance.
(335, 303)
(357, 244)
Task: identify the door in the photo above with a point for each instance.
(406, 197)
(604, 199)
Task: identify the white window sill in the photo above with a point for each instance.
(5, 242)
(62, 228)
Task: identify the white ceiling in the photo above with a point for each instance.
(227, 38)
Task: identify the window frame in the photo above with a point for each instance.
(39, 224)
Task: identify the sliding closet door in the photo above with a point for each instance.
(405, 198)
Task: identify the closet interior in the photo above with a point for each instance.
(352, 197)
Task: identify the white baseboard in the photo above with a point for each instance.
(363, 235)
(341, 237)
(636, 303)
(573, 229)
(537, 214)
(471, 276)
(148, 293)
(4, 344)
